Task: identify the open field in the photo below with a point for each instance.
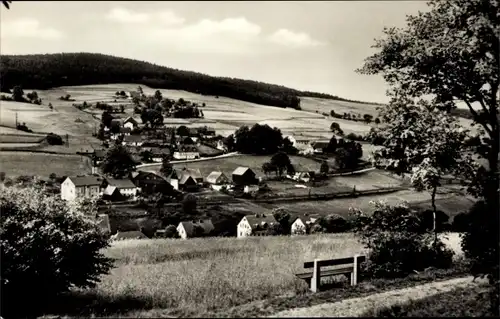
(39, 164)
(193, 277)
(450, 204)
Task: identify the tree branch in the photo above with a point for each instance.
(476, 117)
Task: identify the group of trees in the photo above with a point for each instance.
(347, 153)
(259, 140)
(18, 96)
(367, 118)
(279, 163)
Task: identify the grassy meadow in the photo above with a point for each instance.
(198, 276)
(40, 164)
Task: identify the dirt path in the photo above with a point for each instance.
(357, 306)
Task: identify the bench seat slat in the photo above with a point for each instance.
(334, 262)
(331, 272)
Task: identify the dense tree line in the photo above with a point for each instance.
(44, 71)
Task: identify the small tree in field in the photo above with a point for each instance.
(48, 245)
(281, 161)
(189, 203)
(335, 128)
(324, 169)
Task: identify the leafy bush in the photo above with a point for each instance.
(333, 224)
(47, 247)
(397, 247)
(461, 222)
(171, 232)
(54, 139)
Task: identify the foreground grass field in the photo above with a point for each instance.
(197, 276)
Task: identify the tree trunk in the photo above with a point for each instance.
(434, 215)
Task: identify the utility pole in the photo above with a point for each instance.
(16, 119)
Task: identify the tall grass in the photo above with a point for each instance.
(214, 273)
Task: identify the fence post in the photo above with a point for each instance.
(315, 280)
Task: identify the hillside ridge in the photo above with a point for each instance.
(45, 71)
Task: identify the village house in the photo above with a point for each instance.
(134, 234)
(123, 131)
(186, 155)
(80, 186)
(173, 179)
(125, 186)
(186, 229)
(243, 176)
(217, 180)
(149, 182)
(319, 147)
(158, 154)
(302, 224)
(132, 140)
(304, 177)
(221, 146)
(190, 179)
(111, 193)
(130, 123)
(255, 225)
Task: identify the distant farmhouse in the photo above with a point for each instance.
(187, 229)
(302, 224)
(255, 225)
(79, 186)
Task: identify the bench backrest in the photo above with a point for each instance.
(334, 262)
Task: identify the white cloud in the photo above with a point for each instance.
(28, 28)
(123, 15)
(126, 16)
(293, 39)
(170, 18)
(231, 35)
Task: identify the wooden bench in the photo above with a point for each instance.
(346, 266)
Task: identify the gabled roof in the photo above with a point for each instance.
(132, 138)
(319, 144)
(109, 191)
(131, 120)
(86, 180)
(206, 224)
(194, 172)
(121, 183)
(258, 219)
(118, 121)
(241, 170)
(159, 151)
(305, 218)
(214, 176)
(185, 178)
(135, 234)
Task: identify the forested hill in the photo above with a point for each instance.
(44, 71)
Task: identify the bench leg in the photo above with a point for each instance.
(354, 279)
(316, 278)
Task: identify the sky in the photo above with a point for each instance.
(306, 45)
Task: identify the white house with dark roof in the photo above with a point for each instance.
(75, 187)
(255, 225)
(302, 223)
(186, 228)
(125, 186)
(132, 140)
(131, 123)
